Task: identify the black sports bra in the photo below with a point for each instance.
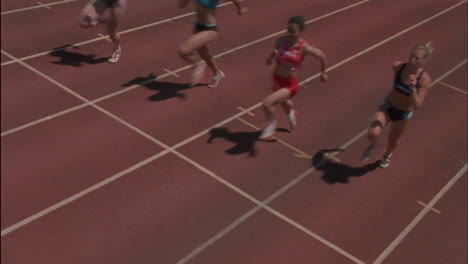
(110, 3)
(401, 87)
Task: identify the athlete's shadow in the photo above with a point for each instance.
(166, 90)
(74, 59)
(334, 172)
(245, 141)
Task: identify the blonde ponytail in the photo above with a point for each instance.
(428, 48)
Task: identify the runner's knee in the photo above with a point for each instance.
(184, 51)
(374, 131)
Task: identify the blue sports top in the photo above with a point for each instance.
(401, 87)
(208, 4)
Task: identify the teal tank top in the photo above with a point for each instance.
(208, 4)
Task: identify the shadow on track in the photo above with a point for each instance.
(166, 90)
(334, 172)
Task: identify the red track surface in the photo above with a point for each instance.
(90, 179)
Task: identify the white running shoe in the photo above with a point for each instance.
(292, 119)
(216, 79)
(198, 73)
(268, 131)
(115, 55)
(385, 162)
(367, 153)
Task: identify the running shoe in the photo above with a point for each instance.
(115, 55)
(292, 119)
(385, 162)
(216, 79)
(268, 131)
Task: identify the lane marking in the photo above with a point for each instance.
(248, 124)
(42, 5)
(35, 7)
(332, 157)
(243, 109)
(386, 40)
(453, 87)
(106, 37)
(255, 209)
(172, 73)
(433, 209)
(159, 77)
(420, 216)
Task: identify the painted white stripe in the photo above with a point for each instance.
(84, 192)
(35, 7)
(13, 130)
(70, 91)
(386, 40)
(250, 213)
(420, 216)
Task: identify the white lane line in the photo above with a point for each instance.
(82, 193)
(75, 94)
(420, 216)
(48, 5)
(295, 181)
(43, 5)
(250, 213)
(387, 40)
(167, 149)
(453, 88)
(13, 130)
(106, 36)
(435, 210)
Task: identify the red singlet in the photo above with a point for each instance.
(290, 58)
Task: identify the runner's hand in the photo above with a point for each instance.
(412, 80)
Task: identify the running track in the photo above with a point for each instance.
(126, 164)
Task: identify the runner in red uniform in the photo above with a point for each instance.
(289, 52)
